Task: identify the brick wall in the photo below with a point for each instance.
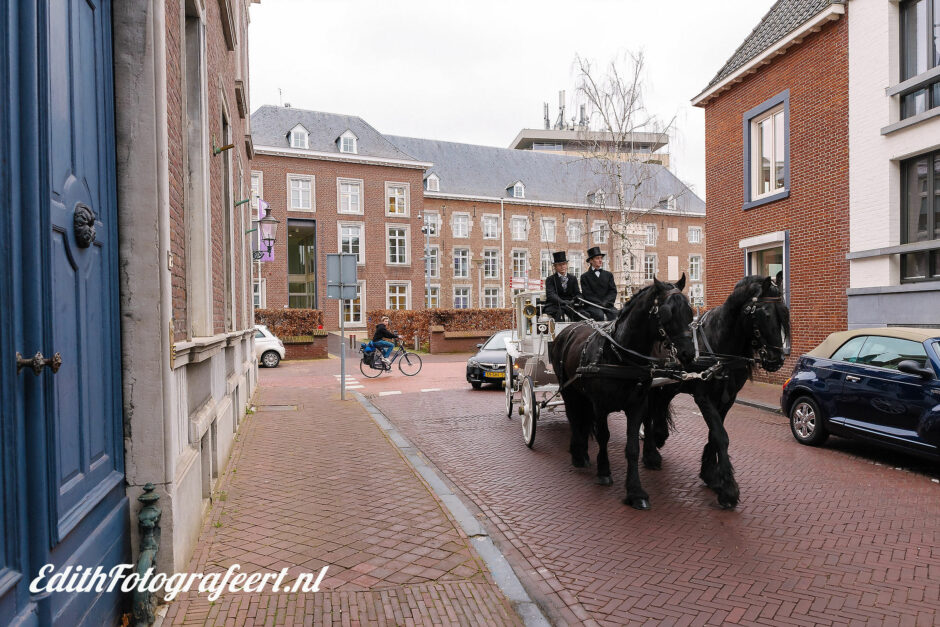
(221, 72)
(816, 211)
(376, 271)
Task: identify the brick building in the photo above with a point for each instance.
(183, 164)
(777, 165)
(491, 213)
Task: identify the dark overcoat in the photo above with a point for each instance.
(558, 300)
(601, 291)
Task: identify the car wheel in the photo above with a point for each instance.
(806, 422)
(270, 359)
(476, 385)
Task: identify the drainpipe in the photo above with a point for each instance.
(502, 252)
(163, 206)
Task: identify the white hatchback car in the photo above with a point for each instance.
(268, 348)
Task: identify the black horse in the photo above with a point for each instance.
(749, 328)
(657, 315)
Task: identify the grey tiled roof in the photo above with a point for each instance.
(784, 17)
(271, 124)
(468, 169)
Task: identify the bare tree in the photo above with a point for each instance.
(618, 140)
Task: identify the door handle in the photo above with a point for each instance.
(38, 362)
(852, 378)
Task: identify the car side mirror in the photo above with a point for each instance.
(479, 346)
(912, 367)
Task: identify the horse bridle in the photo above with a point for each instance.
(666, 341)
(757, 340)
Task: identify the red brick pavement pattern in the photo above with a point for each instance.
(322, 486)
(829, 536)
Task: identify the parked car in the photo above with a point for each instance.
(879, 385)
(489, 364)
(268, 348)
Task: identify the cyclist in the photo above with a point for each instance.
(378, 340)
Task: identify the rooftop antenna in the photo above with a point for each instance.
(560, 122)
(583, 122)
(280, 97)
(548, 122)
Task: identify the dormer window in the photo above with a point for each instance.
(517, 190)
(348, 142)
(597, 198)
(434, 183)
(298, 137)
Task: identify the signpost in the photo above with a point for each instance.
(341, 282)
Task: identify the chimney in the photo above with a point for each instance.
(287, 105)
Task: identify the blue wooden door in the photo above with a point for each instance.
(64, 478)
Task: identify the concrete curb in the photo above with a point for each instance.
(758, 405)
(503, 573)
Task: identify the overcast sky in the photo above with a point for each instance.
(479, 71)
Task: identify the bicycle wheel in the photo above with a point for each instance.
(409, 364)
(367, 370)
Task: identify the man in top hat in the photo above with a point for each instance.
(597, 286)
(561, 290)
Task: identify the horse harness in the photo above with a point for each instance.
(724, 361)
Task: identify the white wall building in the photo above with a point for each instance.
(894, 163)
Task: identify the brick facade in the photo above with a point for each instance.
(815, 214)
(376, 272)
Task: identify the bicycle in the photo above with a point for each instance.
(409, 364)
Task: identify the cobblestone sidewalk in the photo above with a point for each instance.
(319, 486)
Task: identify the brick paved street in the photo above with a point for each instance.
(322, 486)
(839, 535)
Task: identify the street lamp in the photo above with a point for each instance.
(267, 227)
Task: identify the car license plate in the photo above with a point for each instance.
(495, 375)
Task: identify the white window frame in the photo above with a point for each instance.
(525, 257)
(754, 148)
(494, 293)
(257, 189)
(407, 286)
(454, 255)
(349, 135)
(652, 234)
(579, 224)
(545, 263)
(463, 218)
(434, 183)
(313, 192)
(543, 234)
(513, 221)
(493, 219)
(436, 291)
(407, 195)
(300, 131)
(576, 264)
(433, 218)
(340, 181)
(262, 292)
(695, 276)
(493, 252)
(518, 190)
(469, 296)
(361, 258)
(650, 269)
(434, 271)
(600, 231)
(776, 239)
(388, 245)
(695, 235)
(361, 286)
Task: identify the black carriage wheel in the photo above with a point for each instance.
(530, 412)
(507, 383)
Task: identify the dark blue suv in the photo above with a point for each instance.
(879, 385)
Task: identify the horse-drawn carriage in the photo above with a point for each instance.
(528, 368)
(594, 369)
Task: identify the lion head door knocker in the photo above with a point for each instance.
(84, 224)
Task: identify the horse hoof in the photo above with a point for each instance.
(604, 480)
(581, 461)
(635, 503)
(727, 504)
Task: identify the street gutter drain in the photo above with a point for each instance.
(277, 408)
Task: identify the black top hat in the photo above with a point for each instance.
(594, 251)
(559, 257)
